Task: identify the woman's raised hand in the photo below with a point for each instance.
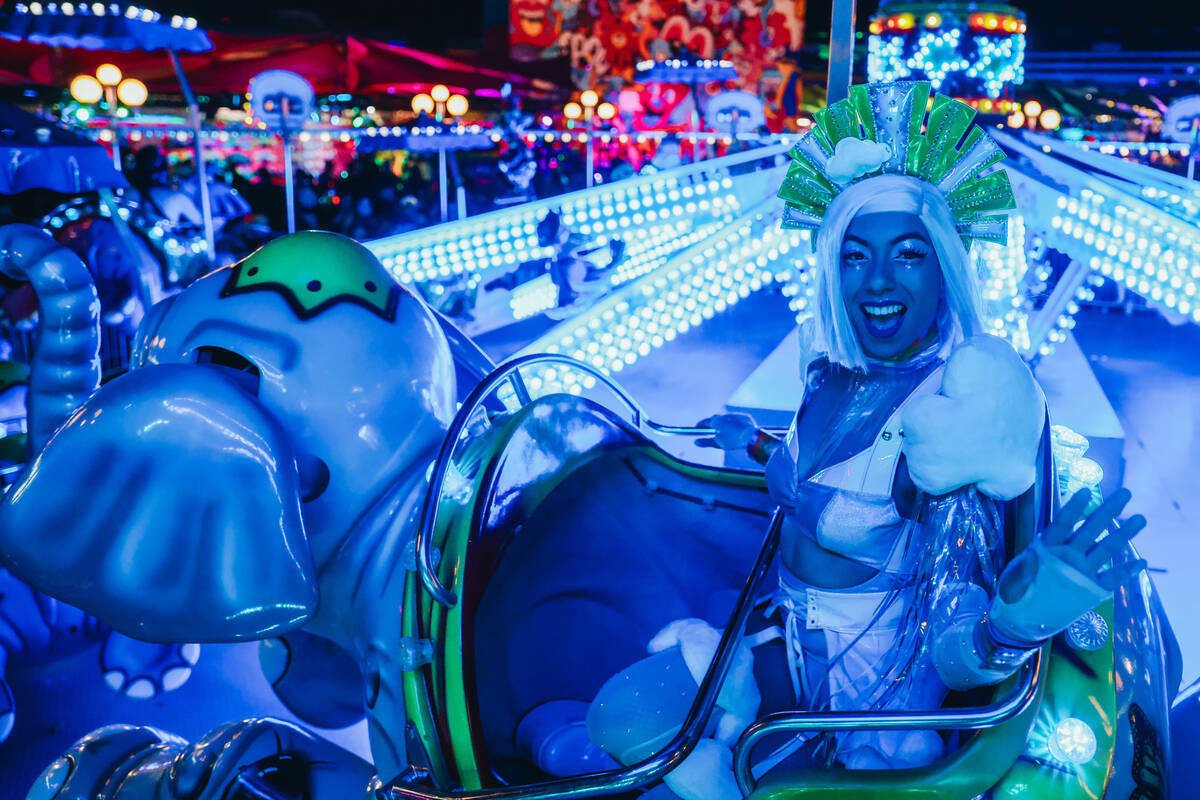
(1065, 573)
(1087, 548)
(730, 431)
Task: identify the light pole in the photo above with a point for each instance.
(589, 104)
(1033, 117)
(841, 51)
(110, 86)
(457, 106)
(440, 95)
(440, 102)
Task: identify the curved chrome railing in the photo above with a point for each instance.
(1023, 693)
(656, 766)
(510, 372)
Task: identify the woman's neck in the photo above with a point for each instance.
(921, 346)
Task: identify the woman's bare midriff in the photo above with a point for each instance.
(817, 566)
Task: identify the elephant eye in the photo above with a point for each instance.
(235, 366)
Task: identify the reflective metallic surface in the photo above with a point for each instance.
(65, 368)
(1018, 700)
(671, 756)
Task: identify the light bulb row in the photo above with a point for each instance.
(103, 10)
(1002, 270)
(740, 259)
(1174, 202)
(510, 237)
(1154, 255)
(989, 62)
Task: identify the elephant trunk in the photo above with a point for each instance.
(66, 360)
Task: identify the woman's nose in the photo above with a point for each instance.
(881, 276)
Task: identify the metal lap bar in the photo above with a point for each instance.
(670, 757)
(509, 371)
(1017, 701)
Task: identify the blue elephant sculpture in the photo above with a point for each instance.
(36, 628)
(256, 475)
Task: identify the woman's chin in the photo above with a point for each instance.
(884, 331)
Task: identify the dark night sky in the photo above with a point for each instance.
(438, 24)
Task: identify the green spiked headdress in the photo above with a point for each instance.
(895, 129)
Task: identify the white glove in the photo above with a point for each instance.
(1063, 574)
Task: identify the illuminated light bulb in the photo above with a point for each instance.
(1050, 119)
(457, 105)
(86, 89)
(423, 104)
(132, 92)
(440, 93)
(108, 74)
(1073, 742)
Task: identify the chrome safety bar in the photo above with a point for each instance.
(509, 371)
(1023, 693)
(656, 766)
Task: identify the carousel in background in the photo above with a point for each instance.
(972, 51)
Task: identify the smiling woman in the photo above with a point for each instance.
(891, 284)
(889, 241)
(917, 445)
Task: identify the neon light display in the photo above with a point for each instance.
(969, 50)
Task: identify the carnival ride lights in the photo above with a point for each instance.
(655, 214)
(1166, 191)
(973, 52)
(670, 285)
(1073, 742)
(1118, 235)
(104, 9)
(1151, 256)
(703, 281)
(158, 229)
(645, 253)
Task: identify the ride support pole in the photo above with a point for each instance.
(197, 124)
(591, 158)
(841, 51)
(460, 191)
(289, 181)
(1192, 150)
(443, 189)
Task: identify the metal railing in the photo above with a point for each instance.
(1022, 695)
(510, 372)
(655, 767)
(658, 765)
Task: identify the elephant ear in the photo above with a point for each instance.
(168, 507)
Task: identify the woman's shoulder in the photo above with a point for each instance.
(984, 427)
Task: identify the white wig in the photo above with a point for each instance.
(959, 310)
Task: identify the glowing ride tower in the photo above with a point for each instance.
(971, 51)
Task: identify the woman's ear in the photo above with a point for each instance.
(167, 506)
